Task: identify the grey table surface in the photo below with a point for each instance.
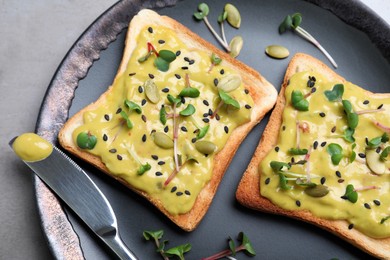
(35, 36)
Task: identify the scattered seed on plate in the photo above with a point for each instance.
(159, 173)
(322, 114)
(179, 193)
(377, 202)
(187, 192)
(144, 138)
(222, 71)
(154, 157)
(246, 91)
(206, 120)
(151, 75)
(140, 89)
(107, 117)
(144, 118)
(184, 68)
(193, 140)
(217, 117)
(277, 149)
(367, 206)
(206, 103)
(226, 128)
(150, 29)
(184, 129)
(105, 137)
(362, 155)
(380, 106)
(248, 106)
(113, 150)
(177, 76)
(187, 59)
(298, 203)
(267, 181)
(333, 129)
(165, 90)
(323, 144)
(132, 74)
(323, 180)
(366, 102)
(119, 157)
(118, 111)
(143, 102)
(178, 53)
(315, 145)
(161, 41)
(161, 163)
(338, 174)
(215, 82)
(166, 129)
(350, 226)
(174, 188)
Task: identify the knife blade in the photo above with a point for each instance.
(80, 193)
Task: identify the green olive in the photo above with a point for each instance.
(277, 51)
(317, 191)
(229, 82)
(205, 147)
(162, 140)
(151, 91)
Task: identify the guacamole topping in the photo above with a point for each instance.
(31, 147)
(331, 141)
(165, 119)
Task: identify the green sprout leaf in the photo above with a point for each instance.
(86, 140)
(188, 111)
(190, 92)
(286, 24)
(385, 219)
(297, 151)
(246, 244)
(336, 93)
(353, 153)
(156, 235)
(350, 194)
(228, 100)
(385, 138)
(145, 58)
(163, 115)
(167, 55)
(278, 166)
(161, 64)
(375, 142)
(336, 153)
(215, 59)
(352, 117)
(178, 251)
(283, 182)
(348, 135)
(143, 168)
(174, 100)
(133, 106)
(222, 17)
(298, 101)
(296, 20)
(203, 11)
(127, 119)
(385, 153)
(232, 246)
(202, 132)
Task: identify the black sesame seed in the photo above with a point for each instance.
(248, 106)
(179, 193)
(113, 150)
(377, 202)
(150, 29)
(144, 138)
(338, 174)
(206, 120)
(187, 192)
(161, 163)
(313, 90)
(367, 206)
(292, 160)
(105, 137)
(206, 103)
(210, 112)
(107, 117)
(165, 90)
(378, 150)
(340, 180)
(277, 149)
(144, 118)
(333, 129)
(323, 144)
(222, 71)
(196, 131)
(350, 226)
(140, 89)
(246, 91)
(178, 53)
(184, 68)
(184, 129)
(362, 155)
(217, 117)
(166, 129)
(153, 131)
(226, 128)
(161, 41)
(193, 140)
(177, 76)
(119, 157)
(366, 141)
(315, 145)
(154, 157)
(151, 75)
(344, 197)
(205, 114)
(267, 181)
(187, 59)
(132, 74)
(215, 82)
(191, 62)
(118, 111)
(380, 106)
(174, 188)
(322, 114)
(298, 203)
(366, 102)
(159, 173)
(143, 102)
(183, 100)
(323, 180)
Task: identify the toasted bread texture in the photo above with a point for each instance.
(248, 192)
(262, 92)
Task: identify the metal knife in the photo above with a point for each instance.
(82, 195)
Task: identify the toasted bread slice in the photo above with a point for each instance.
(249, 194)
(262, 92)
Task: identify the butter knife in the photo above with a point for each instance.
(80, 193)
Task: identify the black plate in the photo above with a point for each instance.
(363, 58)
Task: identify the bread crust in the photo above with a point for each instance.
(248, 191)
(261, 91)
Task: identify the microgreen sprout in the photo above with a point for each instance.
(132, 107)
(232, 15)
(181, 165)
(163, 57)
(143, 167)
(385, 153)
(201, 131)
(351, 193)
(352, 157)
(298, 101)
(293, 22)
(336, 153)
(382, 126)
(352, 117)
(347, 135)
(215, 60)
(297, 151)
(245, 246)
(189, 91)
(377, 141)
(367, 111)
(178, 251)
(227, 100)
(336, 93)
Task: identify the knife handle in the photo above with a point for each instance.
(118, 247)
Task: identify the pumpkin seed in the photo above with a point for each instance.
(162, 140)
(205, 147)
(229, 82)
(236, 46)
(151, 91)
(374, 162)
(277, 51)
(233, 15)
(317, 191)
